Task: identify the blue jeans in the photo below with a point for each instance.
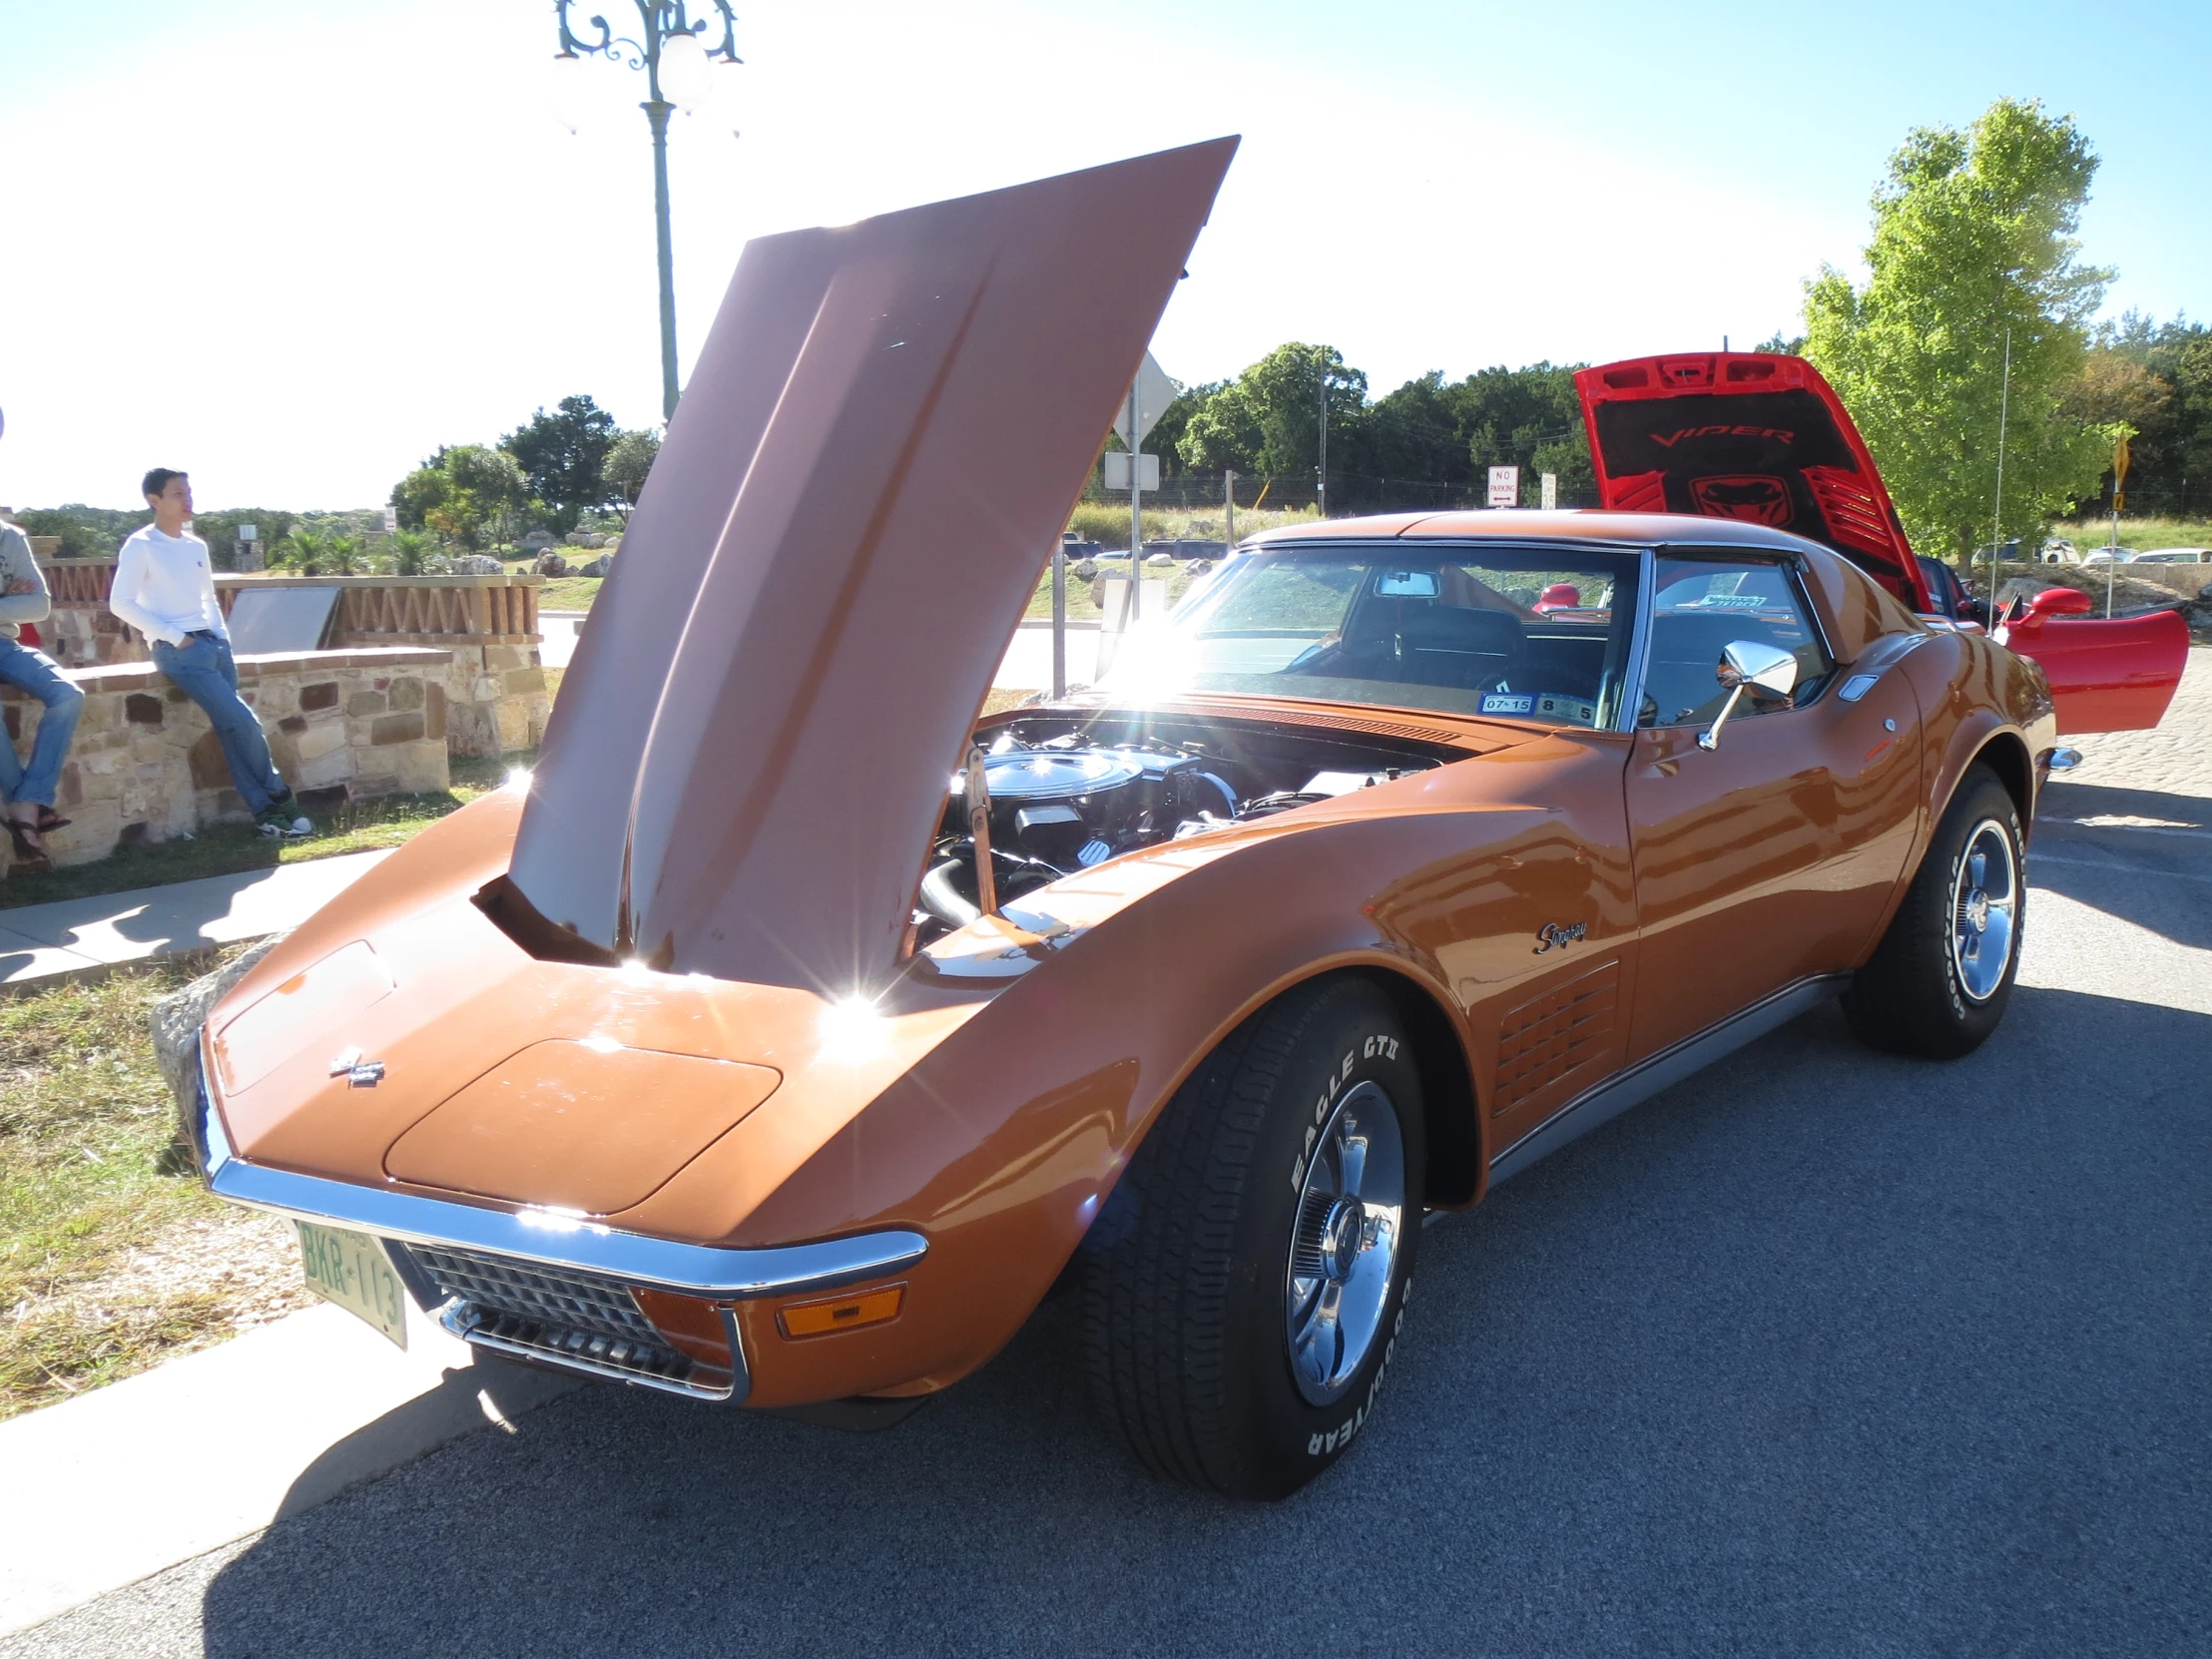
(202, 669)
(38, 673)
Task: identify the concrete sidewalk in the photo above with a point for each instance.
(83, 938)
(121, 1483)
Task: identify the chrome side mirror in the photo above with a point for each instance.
(1754, 666)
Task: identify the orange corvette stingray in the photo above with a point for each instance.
(791, 1033)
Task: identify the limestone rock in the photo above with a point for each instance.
(176, 1019)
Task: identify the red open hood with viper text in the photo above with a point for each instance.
(1745, 435)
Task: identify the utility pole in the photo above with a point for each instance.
(1228, 511)
(1136, 510)
(1325, 443)
(1059, 621)
(1996, 516)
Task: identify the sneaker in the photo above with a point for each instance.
(284, 820)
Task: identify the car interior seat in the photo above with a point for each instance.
(1450, 645)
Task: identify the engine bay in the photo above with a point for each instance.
(1066, 793)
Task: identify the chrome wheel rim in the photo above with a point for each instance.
(1344, 1239)
(1984, 910)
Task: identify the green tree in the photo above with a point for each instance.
(1268, 420)
(468, 492)
(564, 457)
(2157, 379)
(1973, 237)
(629, 460)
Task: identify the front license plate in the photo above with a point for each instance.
(351, 1269)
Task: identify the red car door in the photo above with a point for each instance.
(2113, 675)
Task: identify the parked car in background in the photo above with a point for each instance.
(1952, 595)
(2174, 556)
(2058, 550)
(2107, 555)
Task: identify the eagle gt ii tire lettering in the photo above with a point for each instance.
(1245, 1285)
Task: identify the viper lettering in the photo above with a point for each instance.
(1680, 434)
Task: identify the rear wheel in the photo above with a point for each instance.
(1245, 1285)
(1938, 984)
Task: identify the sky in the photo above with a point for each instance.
(294, 246)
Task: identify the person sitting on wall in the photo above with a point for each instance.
(164, 588)
(29, 790)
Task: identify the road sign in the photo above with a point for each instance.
(1155, 392)
(1505, 486)
(1550, 482)
(1117, 470)
(250, 532)
(2120, 459)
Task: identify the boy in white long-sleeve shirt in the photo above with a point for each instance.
(164, 588)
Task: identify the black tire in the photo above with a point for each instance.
(1917, 994)
(1187, 1273)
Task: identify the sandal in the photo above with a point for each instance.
(28, 847)
(48, 820)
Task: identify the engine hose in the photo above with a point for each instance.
(943, 900)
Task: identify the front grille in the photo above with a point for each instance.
(579, 1319)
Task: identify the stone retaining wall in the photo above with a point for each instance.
(487, 625)
(342, 726)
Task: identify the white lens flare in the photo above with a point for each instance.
(518, 779)
(852, 1030)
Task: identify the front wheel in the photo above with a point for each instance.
(1937, 984)
(1245, 1285)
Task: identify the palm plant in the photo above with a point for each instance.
(345, 554)
(411, 552)
(304, 551)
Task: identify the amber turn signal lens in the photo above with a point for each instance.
(840, 1313)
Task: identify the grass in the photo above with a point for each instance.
(1108, 525)
(1083, 599)
(2138, 535)
(226, 849)
(113, 1257)
(568, 593)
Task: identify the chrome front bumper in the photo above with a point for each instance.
(590, 1253)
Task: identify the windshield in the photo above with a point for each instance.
(1531, 633)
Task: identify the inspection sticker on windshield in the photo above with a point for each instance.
(1566, 708)
(351, 1269)
(1502, 704)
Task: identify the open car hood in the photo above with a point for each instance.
(875, 455)
(1749, 436)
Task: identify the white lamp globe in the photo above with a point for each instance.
(686, 76)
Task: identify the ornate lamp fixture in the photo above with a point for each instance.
(677, 67)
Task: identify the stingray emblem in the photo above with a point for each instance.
(1552, 935)
(1755, 498)
(358, 1072)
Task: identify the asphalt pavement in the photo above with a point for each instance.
(1821, 1351)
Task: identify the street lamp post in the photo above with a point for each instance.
(670, 43)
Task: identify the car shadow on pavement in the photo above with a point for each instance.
(1821, 1350)
(2071, 803)
(2142, 855)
